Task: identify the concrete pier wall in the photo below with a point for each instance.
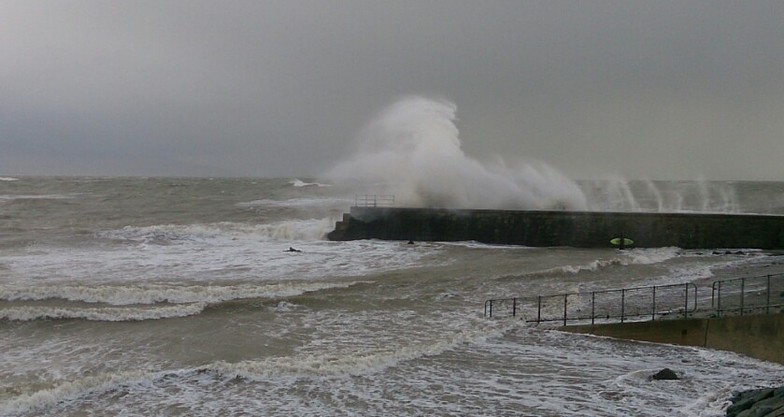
(759, 336)
(563, 228)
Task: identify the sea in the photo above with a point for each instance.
(223, 297)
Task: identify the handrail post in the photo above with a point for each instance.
(767, 302)
(593, 306)
(623, 303)
(653, 306)
(686, 302)
(718, 301)
(742, 294)
(564, 316)
(514, 307)
(539, 310)
(491, 308)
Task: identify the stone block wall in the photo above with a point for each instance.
(563, 228)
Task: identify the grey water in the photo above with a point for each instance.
(179, 297)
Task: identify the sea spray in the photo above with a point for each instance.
(412, 149)
(615, 193)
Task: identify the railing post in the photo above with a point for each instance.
(539, 310)
(686, 303)
(742, 294)
(653, 306)
(767, 302)
(564, 317)
(593, 306)
(491, 308)
(623, 303)
(718, 301)
(514, 307)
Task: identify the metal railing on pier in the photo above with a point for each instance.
(638, 303)
(739, 296)
(750, 295)
(373, 200)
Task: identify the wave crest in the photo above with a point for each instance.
(167, 234)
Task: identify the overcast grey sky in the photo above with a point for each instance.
(643, 89)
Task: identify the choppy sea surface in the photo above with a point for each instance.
(179, 297)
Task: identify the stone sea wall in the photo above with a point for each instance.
(563, 228)
(757, 336)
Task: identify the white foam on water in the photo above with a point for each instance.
(152, 293)
(298, 203)
(15, 197)
(624, 258)
(704, 266)
(648, 256)
(326, 364)
(9, 179)
(314, 367)
(40, 400)
(522, 372)
(305, 229)
(27, 313)
(472, 244)
(299, 183)
(209, 253)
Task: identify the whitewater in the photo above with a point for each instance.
(222, 296)
(179, 297)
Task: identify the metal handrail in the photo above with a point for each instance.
(748, 294)
(761, 293)
(650, 303)
(373, 200)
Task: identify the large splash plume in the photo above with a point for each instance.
(412, 149)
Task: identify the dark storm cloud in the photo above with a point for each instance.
(642, 89)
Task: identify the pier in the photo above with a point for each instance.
(562, 228)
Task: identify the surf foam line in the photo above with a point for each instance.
(299, 183)
(326, 366)
(311, 366)
(29, 313)
(298, 203)
(151, 294)
(78, 388)
(310, 229)
(631, 257)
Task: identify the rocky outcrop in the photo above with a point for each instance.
(766, 402)
(665, 374)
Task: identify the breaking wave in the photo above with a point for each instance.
(414, 147)
(29, 313)
(309, 229)
(630, 257)
(300, 183)
(150, 294)
(139, 302)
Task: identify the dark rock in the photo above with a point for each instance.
(665, 374)
(744, 401)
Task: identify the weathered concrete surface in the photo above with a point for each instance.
(759, 336)
(562, 228)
